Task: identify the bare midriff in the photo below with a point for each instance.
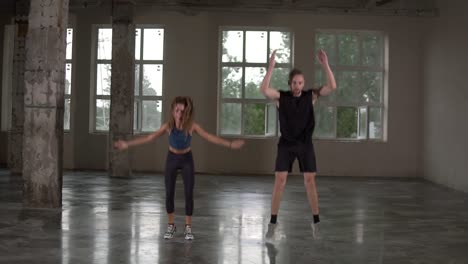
(179, 151)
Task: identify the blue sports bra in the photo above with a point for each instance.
(178, 139)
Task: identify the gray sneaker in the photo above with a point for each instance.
(188, 232)
(315, 230)
(171, 229)
(270, 235)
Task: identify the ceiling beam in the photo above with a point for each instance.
(382, 2)
(367, 4)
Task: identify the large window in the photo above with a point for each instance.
(357, 109)
(149, 50)
(149, 47)
(103, 79)
(243, 110)
(68, 80)
(7, 82)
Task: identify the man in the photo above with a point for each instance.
(297, 123)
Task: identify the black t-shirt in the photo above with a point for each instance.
(296, 116)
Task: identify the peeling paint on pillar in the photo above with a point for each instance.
(122, 86)
(43, 103)
(15, 135)
(43, 158)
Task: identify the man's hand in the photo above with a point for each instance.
(272, 62)
(322, 57)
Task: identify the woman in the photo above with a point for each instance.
(180, 128)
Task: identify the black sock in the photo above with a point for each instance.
(273, 219)
(316, 219)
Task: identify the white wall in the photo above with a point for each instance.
(446, 97)
(191, 69)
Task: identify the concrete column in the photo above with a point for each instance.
(43, 103)
(122, 85)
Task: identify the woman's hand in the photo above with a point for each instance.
(237, 144)
(121, 145)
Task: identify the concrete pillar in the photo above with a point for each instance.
(15, 135)
(43, 103)
(122, 84)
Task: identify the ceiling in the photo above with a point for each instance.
(354, 7)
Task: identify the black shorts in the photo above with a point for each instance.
(304, 153)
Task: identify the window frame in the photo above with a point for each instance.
(137, 98)
(242, 100)
(93, 80)
(72, 79)
(337, 69)
(140, 98)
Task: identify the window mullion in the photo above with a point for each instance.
(243, 80)
(367, 121)
(335, 121)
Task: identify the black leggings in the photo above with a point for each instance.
(184, 162)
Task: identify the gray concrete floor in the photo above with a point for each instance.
(364, 220)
